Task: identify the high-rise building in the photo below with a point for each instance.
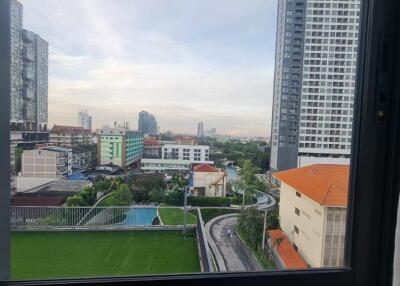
(200, 129)
(119, 146)
(84, 120)
(147, 123)
(315, 67)
(29, 76)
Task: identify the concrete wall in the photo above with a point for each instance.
(303, 161)
(207, 180)
(39, 164)
(310, 223)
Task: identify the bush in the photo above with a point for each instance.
(209, 201)
(120, 197)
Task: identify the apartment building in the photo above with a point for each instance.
(84, 158)
(208, 181)
(119, 146)
(85, 120)
(70, 136)
(28, 65)
(314, 82)
(152, 149)
(51, 162)
(312, 212)
(165, 165)
(192, 153)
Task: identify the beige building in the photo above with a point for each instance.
(49, 162)
(69, 136)
(312, 211)
(208, 181)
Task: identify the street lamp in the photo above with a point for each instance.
(185, 189)
(264, 229)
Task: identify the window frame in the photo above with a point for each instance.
(376, 150)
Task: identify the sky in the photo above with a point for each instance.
(184, 61)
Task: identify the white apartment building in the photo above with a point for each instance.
(312, 212)
(328, 81)
(314, 83)
(164, 165)
(47, 162)
(192, 153)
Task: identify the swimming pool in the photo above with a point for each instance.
(140, 216)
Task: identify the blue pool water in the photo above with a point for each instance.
(140, 216)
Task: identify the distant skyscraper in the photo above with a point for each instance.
(315, 69)
(200, 129)
(85, 120)
(29, 76)
(147, 123)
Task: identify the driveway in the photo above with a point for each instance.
(229, 251)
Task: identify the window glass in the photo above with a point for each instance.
(142, 140)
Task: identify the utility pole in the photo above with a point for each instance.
(264, 229)
(184, 209)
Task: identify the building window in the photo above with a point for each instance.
(298, 194)
(296, 229)
(297, 211)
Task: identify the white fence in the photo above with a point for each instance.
(87, 218)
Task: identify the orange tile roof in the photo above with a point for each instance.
(204, 168)
(289, 256)
(326, 184)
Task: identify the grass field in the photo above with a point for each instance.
(41, 255)
(174, 216)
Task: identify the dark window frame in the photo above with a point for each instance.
(375, 165)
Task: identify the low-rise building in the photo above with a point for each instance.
(84, 158)
(208, 181)
(119, 146)
(312, 212)
(70, 136)
(186, 140)
(194, 153)
(47, 162)
(152, 149)
(165, 165)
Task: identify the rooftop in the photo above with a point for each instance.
(205, 168)
(69, 129)
(289, 256)
(326, 184)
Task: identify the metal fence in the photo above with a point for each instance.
(87, 218)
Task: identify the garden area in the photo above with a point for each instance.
(174, 216)
(47, 255)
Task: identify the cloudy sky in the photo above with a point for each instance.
(185, 61)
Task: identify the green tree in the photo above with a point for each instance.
(75, 201)
(250, 225)
(247, 172)
(156, 196)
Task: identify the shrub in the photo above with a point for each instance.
(209, 201)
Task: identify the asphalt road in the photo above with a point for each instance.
(234, 253)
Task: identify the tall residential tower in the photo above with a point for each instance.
(147, 123)
(315, 69)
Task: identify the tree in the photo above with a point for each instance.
(75, 201)
(156, 196)
(247, 172)
(250, 225)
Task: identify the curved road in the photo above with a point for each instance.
(230, 250)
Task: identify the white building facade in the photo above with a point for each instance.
(192, 153)
(328, 83)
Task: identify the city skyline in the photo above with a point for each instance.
(123, 61)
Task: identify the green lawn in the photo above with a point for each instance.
(174, 216)
(41, 255)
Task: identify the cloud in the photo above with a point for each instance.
(185, 62)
